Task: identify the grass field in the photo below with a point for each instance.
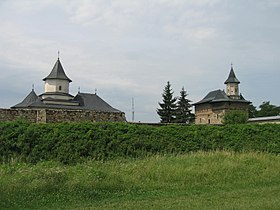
(216, 180)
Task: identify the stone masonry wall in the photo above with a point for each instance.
(214, 113)
(13, 115)
(59, 115)
(82, 116)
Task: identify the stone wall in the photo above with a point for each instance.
(13, 115)
(59, 115)
(83, 116)
(214, 113)
(204, 114)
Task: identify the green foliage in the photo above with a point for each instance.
(267, 109)
(183, 111)
(214, 180)
(70, 143)
(235, 117)
(167, 108)
(252, 111)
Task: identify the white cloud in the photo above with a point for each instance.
(130, 48)
(192, 34)
(184, 18)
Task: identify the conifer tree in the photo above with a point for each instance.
(183, 109)
(168, 107)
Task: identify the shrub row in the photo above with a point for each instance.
(75, 142)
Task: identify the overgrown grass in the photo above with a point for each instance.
(213, 180)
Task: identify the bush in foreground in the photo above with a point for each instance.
(75, 142)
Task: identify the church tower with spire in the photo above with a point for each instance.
(213, 107)
(55, 104)
(56, 85)
(232, 83)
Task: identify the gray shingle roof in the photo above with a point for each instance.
(57, 72)
(30, 100)
(231, 77)
(86, 101)
(219, 96)
(55, 93)
(93, 102)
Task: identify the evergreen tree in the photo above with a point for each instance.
(168, 107)
(183, 110)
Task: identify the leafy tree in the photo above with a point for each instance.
(167, 109)
(235, 117)
(252, 111)
(183, 110)
(267, 109)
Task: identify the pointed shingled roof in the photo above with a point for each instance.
(90, 101)
(57, 72)
(86, 101)
(30, 100)
(231, 77)
(216, 95)
(219, 96)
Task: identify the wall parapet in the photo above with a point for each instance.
(60, 115)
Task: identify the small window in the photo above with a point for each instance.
(209, 121)
(59, 88)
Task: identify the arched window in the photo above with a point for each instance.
(59, 87)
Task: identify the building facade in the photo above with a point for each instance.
(212, 108)
(56, 104)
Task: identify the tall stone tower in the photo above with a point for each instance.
(232, 84)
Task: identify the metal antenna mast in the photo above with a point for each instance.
(133, 109)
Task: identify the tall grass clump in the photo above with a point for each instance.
(202, 180)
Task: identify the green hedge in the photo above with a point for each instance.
(75, 142)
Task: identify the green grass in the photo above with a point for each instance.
(216, 180)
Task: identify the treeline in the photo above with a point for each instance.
(75, 142)
(265, 110)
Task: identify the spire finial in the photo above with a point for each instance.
(58, 54)
(95, 91)
(79, 89)
(33, 87)
(231, 65)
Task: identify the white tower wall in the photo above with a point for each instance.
(55, 85)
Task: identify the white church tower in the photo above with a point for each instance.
(57, 86)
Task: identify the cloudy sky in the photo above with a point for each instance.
(131, 48)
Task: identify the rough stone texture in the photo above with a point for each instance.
(214, 113)
(59, 115)
(13, 115)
